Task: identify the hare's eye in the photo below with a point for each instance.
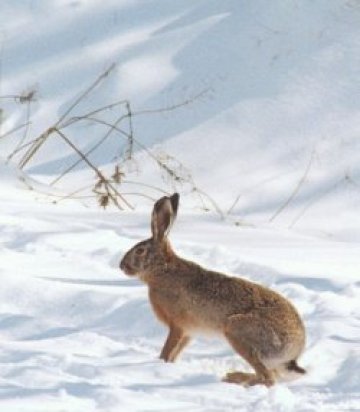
(140, 251)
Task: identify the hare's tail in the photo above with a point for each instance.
(289, 371)
(292, 366)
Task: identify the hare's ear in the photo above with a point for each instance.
(163, 216)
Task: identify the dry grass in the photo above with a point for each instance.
(107, 189)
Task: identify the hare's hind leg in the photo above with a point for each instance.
(174, 344)
(238, 333)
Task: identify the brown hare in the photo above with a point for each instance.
(261, 325)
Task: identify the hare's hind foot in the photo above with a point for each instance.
(248, 379)
(240, 378)
(241, 333)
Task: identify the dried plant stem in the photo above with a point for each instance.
(211, 200)
(74, 119)
(112, 192)
(75, 192)
(15, 129)
(129, 152)
(351, 180)
(105, 189)
(296, 189)
(129, 136)
(10, 96)
(251, 189)
(26, 131)
(314, 201)
(172, 107)
(100, 142)
(131, 182)
(104, 123)
(39, 141)
(25, 145)
(98, 80)
(43, 137)
(153, 199)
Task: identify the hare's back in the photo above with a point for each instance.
(215, 297)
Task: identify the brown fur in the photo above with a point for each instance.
(261, 325)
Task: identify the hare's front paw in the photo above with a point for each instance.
(166, 358)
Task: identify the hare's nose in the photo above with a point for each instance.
(124, 266)
(127, 269)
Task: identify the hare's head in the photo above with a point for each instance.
(148, 255)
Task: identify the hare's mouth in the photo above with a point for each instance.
(127, 269)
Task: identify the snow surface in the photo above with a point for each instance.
(277, 89)
(78, 335)
(279, 86)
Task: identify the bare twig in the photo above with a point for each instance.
(313, 201)
(129, 152)
(153, 199)
(92, 149)
(129, 136)
(212, 201)
(146, 185)
(35, 147)
(92, 113)
(351, 180)
(249, 190)
(105, 188)
(296, 189)
(25, 97)
(43, 137)
(26, 131)
(85, 93)
(172, 107)
(15, 129)
(16, 97)
(112, 192)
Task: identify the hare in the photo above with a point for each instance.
(261, 326)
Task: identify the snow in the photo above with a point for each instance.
(278, 108)
(77, 334)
